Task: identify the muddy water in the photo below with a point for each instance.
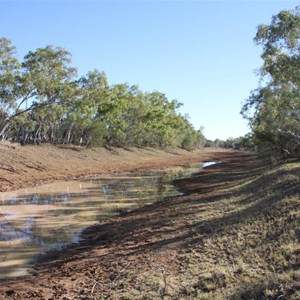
(34, 221)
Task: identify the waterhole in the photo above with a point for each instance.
(36, 220)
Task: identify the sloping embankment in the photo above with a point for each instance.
(27, 166)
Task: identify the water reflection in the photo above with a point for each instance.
(209, 163)
(36, 220)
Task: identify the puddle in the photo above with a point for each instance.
(209, 163)
(36, 220)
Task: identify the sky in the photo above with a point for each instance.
(200, 53)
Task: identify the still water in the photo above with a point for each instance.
(36, 220)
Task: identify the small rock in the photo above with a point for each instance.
(112, 277)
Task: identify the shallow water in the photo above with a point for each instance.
(36, 220)
(209, 163)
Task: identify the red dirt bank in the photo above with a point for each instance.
(29, 166)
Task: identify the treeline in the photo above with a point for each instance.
(239, 143)
(43, 100)
(273, 109)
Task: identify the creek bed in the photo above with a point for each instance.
(49, 217)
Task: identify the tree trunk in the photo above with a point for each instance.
(68, 134)
(3, 130)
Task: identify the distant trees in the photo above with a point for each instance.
(43, 100)
(242, 142)
(273, 109)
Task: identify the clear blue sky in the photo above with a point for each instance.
(198, 52)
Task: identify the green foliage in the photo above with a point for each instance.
(95, 133)
(242, 142)
(42, 101)
(43, 79)
(9, 72)
(273, 110)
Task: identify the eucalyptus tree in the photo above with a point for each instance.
(162, 121)
(200, 140)
(188, 137)
(10, 69)
(92, 107)
(133, 114)
(48, 77)
(274, 108)
(119, 117)
(40, 81)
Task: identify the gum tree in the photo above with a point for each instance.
(41, 80)
(10, 70)
(274, 108)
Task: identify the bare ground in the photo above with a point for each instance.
(27, 166)
(231, 235)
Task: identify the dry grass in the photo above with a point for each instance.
(241, 241)
(246, 245)
(234, 235)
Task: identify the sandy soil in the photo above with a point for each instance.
(29, 166)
